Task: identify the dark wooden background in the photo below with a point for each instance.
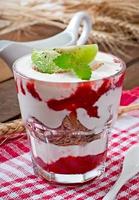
(9, 107)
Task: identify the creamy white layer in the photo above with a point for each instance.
(50, 153)
(109, 68)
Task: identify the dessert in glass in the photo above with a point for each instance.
(68, 115)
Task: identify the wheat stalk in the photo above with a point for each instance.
(123, 9)
(105, 23)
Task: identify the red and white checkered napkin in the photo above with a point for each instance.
(17, 180)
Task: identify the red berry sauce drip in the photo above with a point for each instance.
(84, 97)
(73, 165)
(22, 88)
(31, 89)
(16, 85)
(120, 80)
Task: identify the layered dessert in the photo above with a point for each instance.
(69, 99)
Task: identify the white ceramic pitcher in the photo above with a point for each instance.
(10, 50)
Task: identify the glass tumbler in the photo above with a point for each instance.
(68, 123)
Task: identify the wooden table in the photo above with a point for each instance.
(9, 107)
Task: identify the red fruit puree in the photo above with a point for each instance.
(84, 97)
(31, 89)
(73, 165)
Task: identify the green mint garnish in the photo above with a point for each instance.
(76, 59)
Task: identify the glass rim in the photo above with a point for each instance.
(122, 65)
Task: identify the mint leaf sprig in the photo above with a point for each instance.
(75, 59)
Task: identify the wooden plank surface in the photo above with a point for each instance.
(5, 72)
(9, 108)
(132, 76)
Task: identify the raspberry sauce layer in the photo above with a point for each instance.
(83, 97)
(73, 165)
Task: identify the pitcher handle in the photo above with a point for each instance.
(75, 24)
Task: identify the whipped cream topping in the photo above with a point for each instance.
(111, 65)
